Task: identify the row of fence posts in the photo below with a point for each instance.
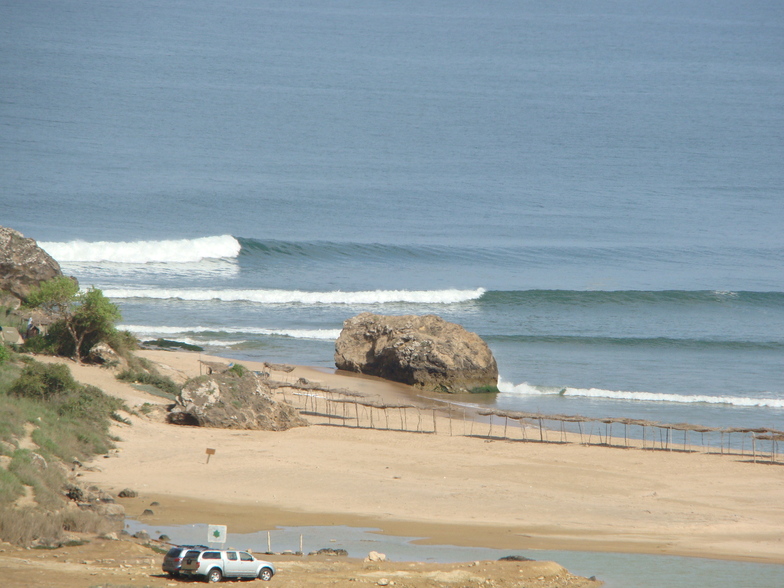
(365, 410)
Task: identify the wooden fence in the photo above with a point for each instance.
(340, 407)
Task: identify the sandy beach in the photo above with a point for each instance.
(460, 490)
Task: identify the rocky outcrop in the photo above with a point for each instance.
(231, 401)
(102, 354)
(23, 264)
(423, 351)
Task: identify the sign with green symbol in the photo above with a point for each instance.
(216, 533)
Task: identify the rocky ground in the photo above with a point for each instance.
(130, 563)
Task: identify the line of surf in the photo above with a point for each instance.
(155, 331)
(526, 389)
(299, 296)
(139, 252)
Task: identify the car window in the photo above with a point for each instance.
(192, 554)
(246, 557)
(174, 552)
(232, 556)
(211, 555)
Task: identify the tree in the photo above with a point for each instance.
(84, 315)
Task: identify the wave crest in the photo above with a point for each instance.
(302, 297)
(154, 331)
(526, 389)
(169, 251)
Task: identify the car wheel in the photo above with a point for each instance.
(265, 574)
(214, 575)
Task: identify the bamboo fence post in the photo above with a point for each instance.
(490, 430)
(450, 420)
(506, 424)
(435, 429)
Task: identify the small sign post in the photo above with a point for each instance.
(216, 533)
(209, 453)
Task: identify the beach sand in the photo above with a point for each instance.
(452, 489)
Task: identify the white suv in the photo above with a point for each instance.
(216, 564)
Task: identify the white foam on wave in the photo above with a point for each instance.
(147, 331)
(301, 297)
(169, 251)
(526, 389)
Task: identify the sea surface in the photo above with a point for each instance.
(596, 188)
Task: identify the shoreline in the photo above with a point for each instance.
(175, 511)
(466, 491)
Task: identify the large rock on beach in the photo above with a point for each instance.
(423, 351)
(23, 264)
(229, 400)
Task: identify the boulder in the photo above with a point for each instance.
(101, 353)
(231, 401)
(423, 351)
(23, 264)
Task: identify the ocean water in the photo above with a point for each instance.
(596, 188)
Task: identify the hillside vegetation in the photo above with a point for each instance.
(48, 421)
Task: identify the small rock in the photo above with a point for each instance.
(383, 582)
(147, 512)
(376, 556)
(127, 493)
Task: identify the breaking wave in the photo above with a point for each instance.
(148, 331)
(526, 389)
(169, 251)
(301, 297)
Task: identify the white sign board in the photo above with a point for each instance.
(216, 533)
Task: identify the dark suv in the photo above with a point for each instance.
(172, 561)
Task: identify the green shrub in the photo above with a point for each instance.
(40, 344)
(237, 369)
(5, 354)
(41, 381)
(142, 377)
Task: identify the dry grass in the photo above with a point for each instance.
(27, 526)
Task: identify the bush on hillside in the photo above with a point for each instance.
(164, 384)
